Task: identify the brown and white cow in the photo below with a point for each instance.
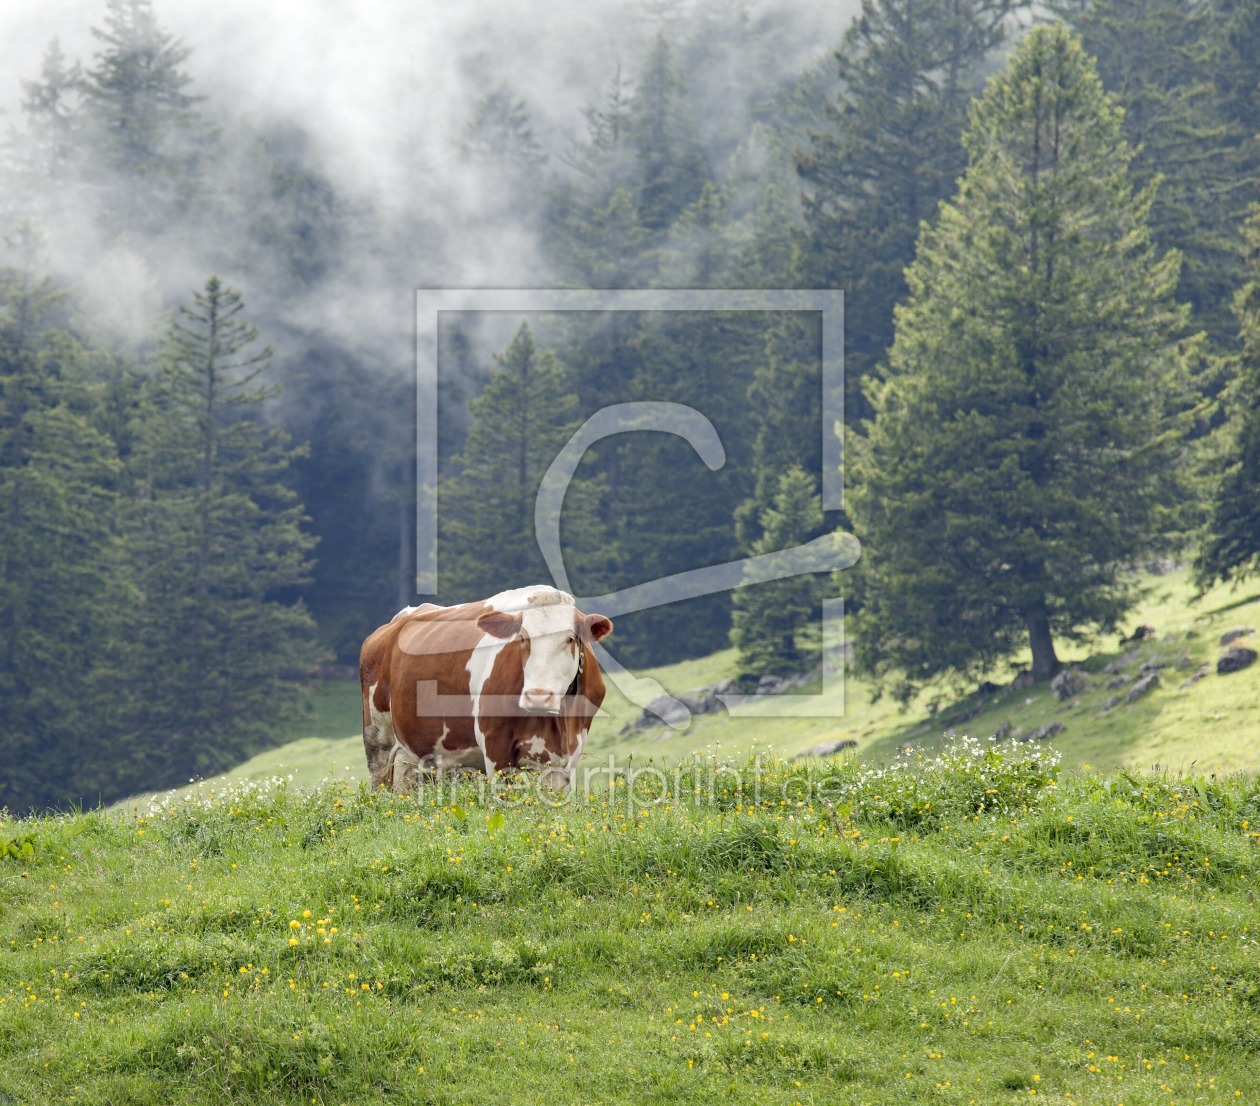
(499, 684)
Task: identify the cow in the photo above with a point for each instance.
(508, 682)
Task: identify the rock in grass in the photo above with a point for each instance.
(1119, 664)
(1069, 682)
(1050, 729)
(1143, 633)
(1196, 676)
(1231, 636)
(828, 748)
(1150, 680)
(1235, 659)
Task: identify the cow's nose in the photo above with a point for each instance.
(537, 701)
(557, 779)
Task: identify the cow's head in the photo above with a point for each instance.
(554, 637)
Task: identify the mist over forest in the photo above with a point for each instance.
(217, 220)
(342, 159)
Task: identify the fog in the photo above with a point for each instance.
(367, 107)
(382, 92)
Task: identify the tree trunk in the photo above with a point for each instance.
(1045, 663)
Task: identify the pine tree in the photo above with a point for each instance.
(670, 169)
(146, 138)
(1162, 60)
(603, 159)
(784, 401)
(769, 619)
(674, 514)
(765, 211)
(1231, 546)
(699, 252)
(500, 134)
(639, 171)
(1021, 451)
(520, 421)
(57, 506)
(45, 151)
(601, 246)
(1234, 63)
(214, 548)
(890, 154)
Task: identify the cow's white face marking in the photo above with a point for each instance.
(554, 646)
(547, 624)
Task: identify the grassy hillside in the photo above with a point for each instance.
(1213, 726)
(974, 930)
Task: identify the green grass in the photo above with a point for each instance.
(976, 929)
(1213, 726)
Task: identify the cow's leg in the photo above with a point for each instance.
(494, 739)
(378, 739)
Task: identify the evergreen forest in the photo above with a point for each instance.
(1045, 220)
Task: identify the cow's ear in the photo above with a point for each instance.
(500, 624)
(598, 626)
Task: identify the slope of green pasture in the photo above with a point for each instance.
(973, 931)
(1212, 726)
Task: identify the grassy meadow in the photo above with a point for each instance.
(963, 922)
(970, 928)
(1214, 726)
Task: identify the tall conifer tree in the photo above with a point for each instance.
(145, 136)
(1231, 546)
(215, 548)
(57, 507)
(670, 167)
(1168, 64)
(520, 421)
(891, 152)
(45, 152)
(1021, 450)
(770, 620)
